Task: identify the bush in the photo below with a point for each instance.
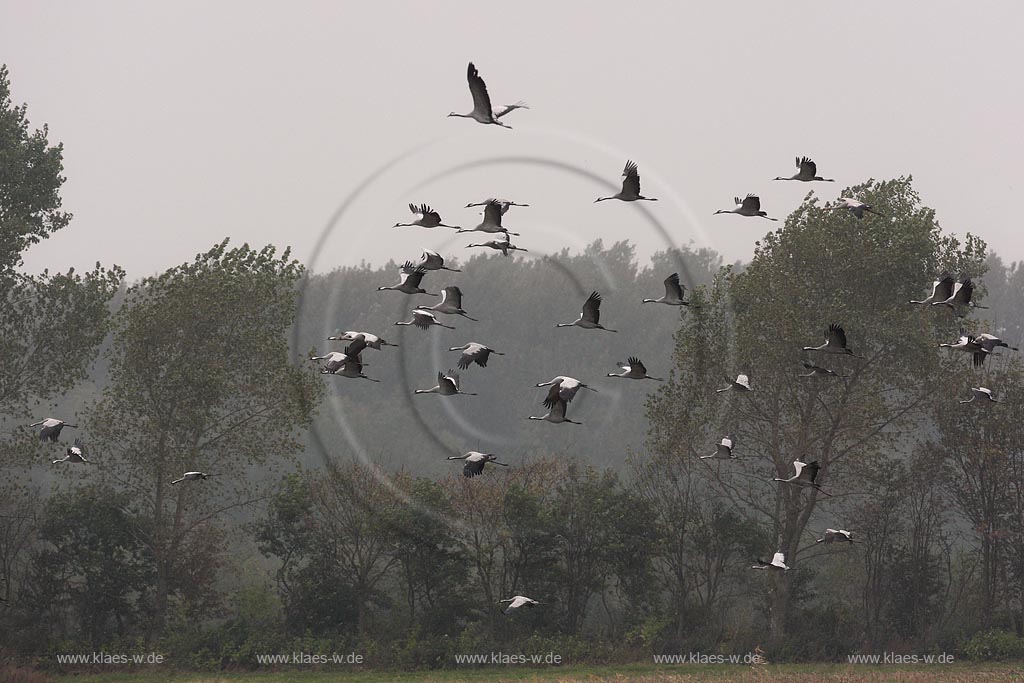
(993, 645)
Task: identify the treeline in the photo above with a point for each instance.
(334, 523)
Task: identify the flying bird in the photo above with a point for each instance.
(960, 300)
(969, 344)
(808, 171)
(835, 342)
(563, 387)
(75, 453)
(191, 476)
(482, 111)
(749, 206)
(431, 260)
(336, 360)
(474, 352)
(411, 276)
(518, 601)
(447, 385)
(818, 371)
(741, 383)
(504, 246)
(426, 217)
(556, 409)
(49, 429)
(630, 191)
(805, 475)
(633, 368)
(982, 394)
(990, 342)
(491, 222)
(836, 535)
(590, 317)
(674, 292)
(856, 207)
(778, 563)
(423, 319)
(942, 289)
(372, 341)
(451, 303)
(723, 451)
(504, 203)
(349, 364)
(475, 462)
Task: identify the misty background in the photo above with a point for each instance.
(185, 122)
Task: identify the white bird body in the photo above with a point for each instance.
(504, 246)
(969, 344)
(49, 428)
(491, 222)
(482, 111)
(990, 342)
(451, 303)
(518, 601)
(960, 300)
(75, 453)
(423, 319)
(749, 206)
(983, 394)
(633, 368)
(778, 563)
(431, 260)
(447, 385)
(808, 171)
(590, 317)
(556, 406)
(630, 191)
(674, 293)
(942, 290)
(836, 535)
(475, 461)
(805, 476)
(191, 476)
(347, 364)
(741, 383)
(818, 371)
(723, 451)
(855, 206)
(474, 352)
(503, 203)
(426, 217)
(835, 342)
(371, 340)
(411, 276)
(564, 387)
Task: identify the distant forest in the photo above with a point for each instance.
(333, 521)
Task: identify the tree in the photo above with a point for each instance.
(30, 181)
(827, 267)
(50, 324)
(90, 567)
(201, 379)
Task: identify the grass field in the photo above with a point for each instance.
(787, 673)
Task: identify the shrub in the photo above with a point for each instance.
(993, 645)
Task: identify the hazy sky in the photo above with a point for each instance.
(187, 121)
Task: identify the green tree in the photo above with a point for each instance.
(50, 324)
(201, 379)
(88, 570)
(823, 267)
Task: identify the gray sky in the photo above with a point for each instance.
(187, 121)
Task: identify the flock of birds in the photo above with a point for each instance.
(947, 292)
